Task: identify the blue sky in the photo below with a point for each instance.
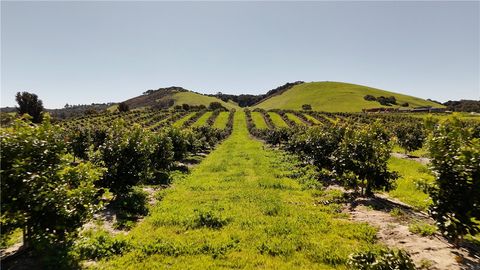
(84, 52)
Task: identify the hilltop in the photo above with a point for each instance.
(337, 97)
(171, 96)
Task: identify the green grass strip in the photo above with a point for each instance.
(221, 121)
(277, 120)
(202, 120)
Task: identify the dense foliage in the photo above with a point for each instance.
(42, 192)
(28, 103)
(361, 159)
(126, 153)
(455, 159)
(383, 260)
(123, 107)
(463, 105)
(410, 136)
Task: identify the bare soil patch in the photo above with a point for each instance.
(429, 252)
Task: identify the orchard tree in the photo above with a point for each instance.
(41, 192)
(79, 139)
(317, 144)
(410, 136)
(28, 103)
(361, 159)
(163, 151)
(455, 159)
(126, 153)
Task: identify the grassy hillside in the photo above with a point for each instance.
(335, 97)
(163, 98)
(193, 98)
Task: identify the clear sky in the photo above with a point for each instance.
(84, 52)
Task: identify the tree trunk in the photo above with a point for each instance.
(25, 237)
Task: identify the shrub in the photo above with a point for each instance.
(100, 244)
(423, 229)
(216, 106)
(410, 136)
(185, 107)
(306, 107)
(361, 158)
(210, 219)
(317, 144)
(455, 160)
(130, 206)
(387, 101)
(123, 107)
(79, 141)
(126, 153)
(163, 151)
(369, 98)
(383, 260)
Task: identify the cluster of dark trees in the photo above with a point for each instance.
(166, 89)
(463, 105)
(385, 101)
(250, 100)
(29, 103)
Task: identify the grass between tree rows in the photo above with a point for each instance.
(295, 119)
(244, 207)
(408, 189)
(277, 120)
(202, 120)
(258, 120)
(182, 120)
(221, 121)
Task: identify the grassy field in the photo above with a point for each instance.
(257, 118)
(202, 120)
(313, 119)
(335, 97)
(277, 120)
(192, 98)
(221, 121)
(406, 191)
(295, 119)
(243, 208)
(182, 120)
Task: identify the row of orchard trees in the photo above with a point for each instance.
(356, 152)
(54, 179)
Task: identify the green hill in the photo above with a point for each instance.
(165, 97)
(193, 98)
(336, 97)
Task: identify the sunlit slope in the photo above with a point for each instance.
(164, 96)
(336, 97)
(192, 98)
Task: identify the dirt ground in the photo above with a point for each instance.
(429, 252)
